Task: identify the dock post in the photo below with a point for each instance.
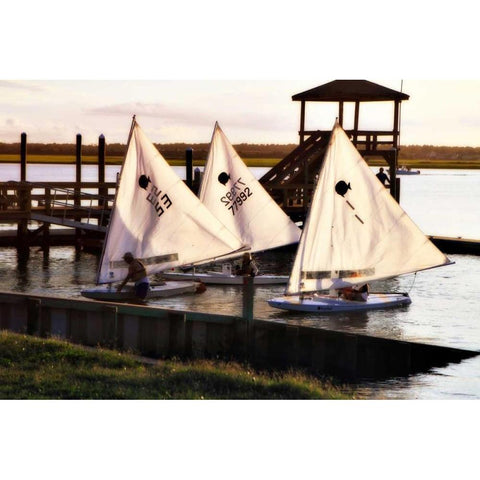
(101, 158)
(46, 225)
(78, 179)
(392, 158)
(23, 249)
(197, 179)
(23, 157)
(189, 167)
(247, 313)
(102, 201)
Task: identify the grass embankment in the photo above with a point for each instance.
(37, 368)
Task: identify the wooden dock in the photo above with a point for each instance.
(83, 207)
(460, 245)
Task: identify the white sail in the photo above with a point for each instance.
(355, 231)
(238, 200)
(157, 217)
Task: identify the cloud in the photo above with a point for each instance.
(154, 110)
(204, 114)
(20, 86)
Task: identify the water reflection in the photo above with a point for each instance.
(458, 381)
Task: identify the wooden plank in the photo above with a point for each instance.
(67, 222)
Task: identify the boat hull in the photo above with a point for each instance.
(169, 289)
(326, 304)
(219, 278)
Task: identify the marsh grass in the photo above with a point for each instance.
(37, 368)
(251, 162)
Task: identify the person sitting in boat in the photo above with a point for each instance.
(136, 273)
(248, 268)
(383, 177)
(358, 293)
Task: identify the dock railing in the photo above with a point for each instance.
(63, 203)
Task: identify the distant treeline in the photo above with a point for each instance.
(245, 150)
(168, 150)
(433, 152)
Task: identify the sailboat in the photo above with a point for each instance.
(232, 193)
(159, 220)
(355, 233)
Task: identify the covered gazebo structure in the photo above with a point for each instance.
(291, 181)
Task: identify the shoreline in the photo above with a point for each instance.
(251, 162)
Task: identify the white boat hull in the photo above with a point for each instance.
(219, 278)
(327, 304)
(128, 293)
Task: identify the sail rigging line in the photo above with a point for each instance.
(105, 242)
(413, 283)
(399, 123)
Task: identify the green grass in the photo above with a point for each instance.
(37, 368)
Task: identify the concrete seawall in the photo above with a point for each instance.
(162, 333)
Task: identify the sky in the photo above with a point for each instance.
(180, 68)
(439, 112)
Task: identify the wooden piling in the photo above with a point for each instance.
(247, 312)
(78, 159)
(78, 179)
(101, 158)
(102, 192)
(189, 167)
(23, 157)
(23, 249)
(46, 225)
(24, 201)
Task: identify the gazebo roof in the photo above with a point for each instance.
(350, 91)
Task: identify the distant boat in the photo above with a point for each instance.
(355, 233)
(407, 171)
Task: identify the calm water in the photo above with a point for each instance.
(445, 307)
